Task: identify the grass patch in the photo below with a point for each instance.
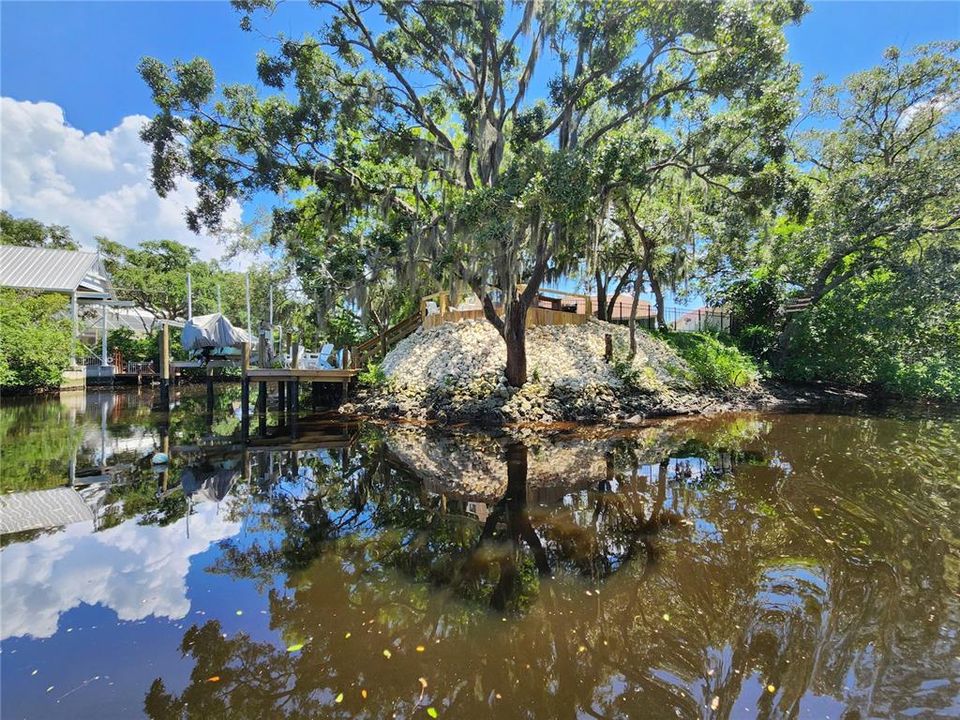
(715, 363)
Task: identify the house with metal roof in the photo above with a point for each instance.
(49, 270)
(77, 273)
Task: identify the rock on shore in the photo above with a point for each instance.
(455, 373)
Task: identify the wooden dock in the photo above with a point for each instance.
(288, 384)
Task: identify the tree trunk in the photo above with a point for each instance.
(784, 341)
(621, 284)
(515, 337)
(633, 315)
(601, 295)
(658, 294)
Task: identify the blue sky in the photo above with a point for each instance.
(75, 159)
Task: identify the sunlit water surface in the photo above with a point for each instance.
(744, 566)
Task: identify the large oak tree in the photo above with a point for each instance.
(420, 109)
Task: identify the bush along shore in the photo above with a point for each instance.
(454, 374)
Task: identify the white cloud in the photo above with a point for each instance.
(135, 570)
(937, 104)
(95, 183)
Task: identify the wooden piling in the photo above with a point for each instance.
(282, 395)
(209, 389)
(245, 390)
(165, 367)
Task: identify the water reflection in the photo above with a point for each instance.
(136, 571)
(743, 566)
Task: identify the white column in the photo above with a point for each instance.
(103, 334)
(249, 332)
(76, 325)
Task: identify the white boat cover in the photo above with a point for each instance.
(212, 331)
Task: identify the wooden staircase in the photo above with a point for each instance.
(372, 349)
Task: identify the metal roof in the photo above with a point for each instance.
(52, 270)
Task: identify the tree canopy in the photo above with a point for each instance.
(417, 114)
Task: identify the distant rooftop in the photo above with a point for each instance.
(51, 270)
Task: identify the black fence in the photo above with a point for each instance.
(677, 318)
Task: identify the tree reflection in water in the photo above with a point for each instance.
(742, 580)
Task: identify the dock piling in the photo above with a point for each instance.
(245, 391)
(165, 367)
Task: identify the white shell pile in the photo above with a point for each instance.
(471, 354)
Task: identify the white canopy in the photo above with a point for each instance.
(212, 331)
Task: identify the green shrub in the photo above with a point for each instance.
(35, 339)
(638, 379)
(715, 363)
(874, 333)
(372, 375)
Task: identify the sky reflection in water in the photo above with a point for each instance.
(742, 566)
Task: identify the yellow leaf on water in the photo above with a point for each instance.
(420, 648)
(432, 712)
(213, 678)
(715, 703)
(771, 688)
(363, 693)
(581, 649)
(666, 616)
(347, 636)
(387, 654)
(295, 647)
(423, 683)
(339, 698)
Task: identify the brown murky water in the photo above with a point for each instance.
(745, 566)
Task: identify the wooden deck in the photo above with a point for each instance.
(334, 375)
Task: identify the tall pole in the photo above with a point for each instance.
(103, 334)
(248, 304)
(76, 325)
(165, 367)
(271, 304)
(189, 298)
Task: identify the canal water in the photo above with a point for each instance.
(741, 566)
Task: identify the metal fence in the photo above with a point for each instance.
(678, 319)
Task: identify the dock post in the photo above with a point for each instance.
(262, 362)
(209, 389)
(282, 395)
(245, 391)
(344, 390)
(165, 367)
(290, 391)
(295, 397)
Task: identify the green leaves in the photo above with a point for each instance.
(35, 339)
